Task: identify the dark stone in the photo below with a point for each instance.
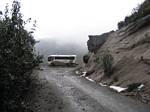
(89, 73)
(132, 87)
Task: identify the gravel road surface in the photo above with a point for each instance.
(62, 91)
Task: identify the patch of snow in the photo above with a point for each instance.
(89, 79)
(140, 87)
(103, 85)
(117, 88)
(77, 72)
(83, 74)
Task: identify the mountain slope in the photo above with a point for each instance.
(130, 49)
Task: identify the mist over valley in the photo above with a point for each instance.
(60, 47)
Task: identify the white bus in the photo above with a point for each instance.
(62, 60)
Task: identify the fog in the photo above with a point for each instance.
(63, 26)
(55, 46)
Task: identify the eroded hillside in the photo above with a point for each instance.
(130, 49)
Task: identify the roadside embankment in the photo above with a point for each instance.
(127, 58)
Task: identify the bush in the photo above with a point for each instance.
(107, 63)
(121, 24)
(86, 58)
(17, 59)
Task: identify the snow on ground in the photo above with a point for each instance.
(89, 79)
(117, 88)
(103, 85)
(140, 87)
(83, 74)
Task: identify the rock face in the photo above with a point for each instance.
(96, 41)
(130, 48)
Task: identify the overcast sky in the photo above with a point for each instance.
(74, 20)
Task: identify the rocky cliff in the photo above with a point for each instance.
(130, 49)
(96, 41)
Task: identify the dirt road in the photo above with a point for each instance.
(62, 91)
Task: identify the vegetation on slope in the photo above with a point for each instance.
(17, 59)
(107, 63)
(141, 11)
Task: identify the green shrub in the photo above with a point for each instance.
(107, 63)
(86, 58)
(17, 59)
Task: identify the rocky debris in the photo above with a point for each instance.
(144, 98)
(147, 62)
(86, 74)
(144, 40)
(89, 72)
(134, 87)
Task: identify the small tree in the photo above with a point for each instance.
(86, 58)
(17, 58)
(120, 24)
(107, 63)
